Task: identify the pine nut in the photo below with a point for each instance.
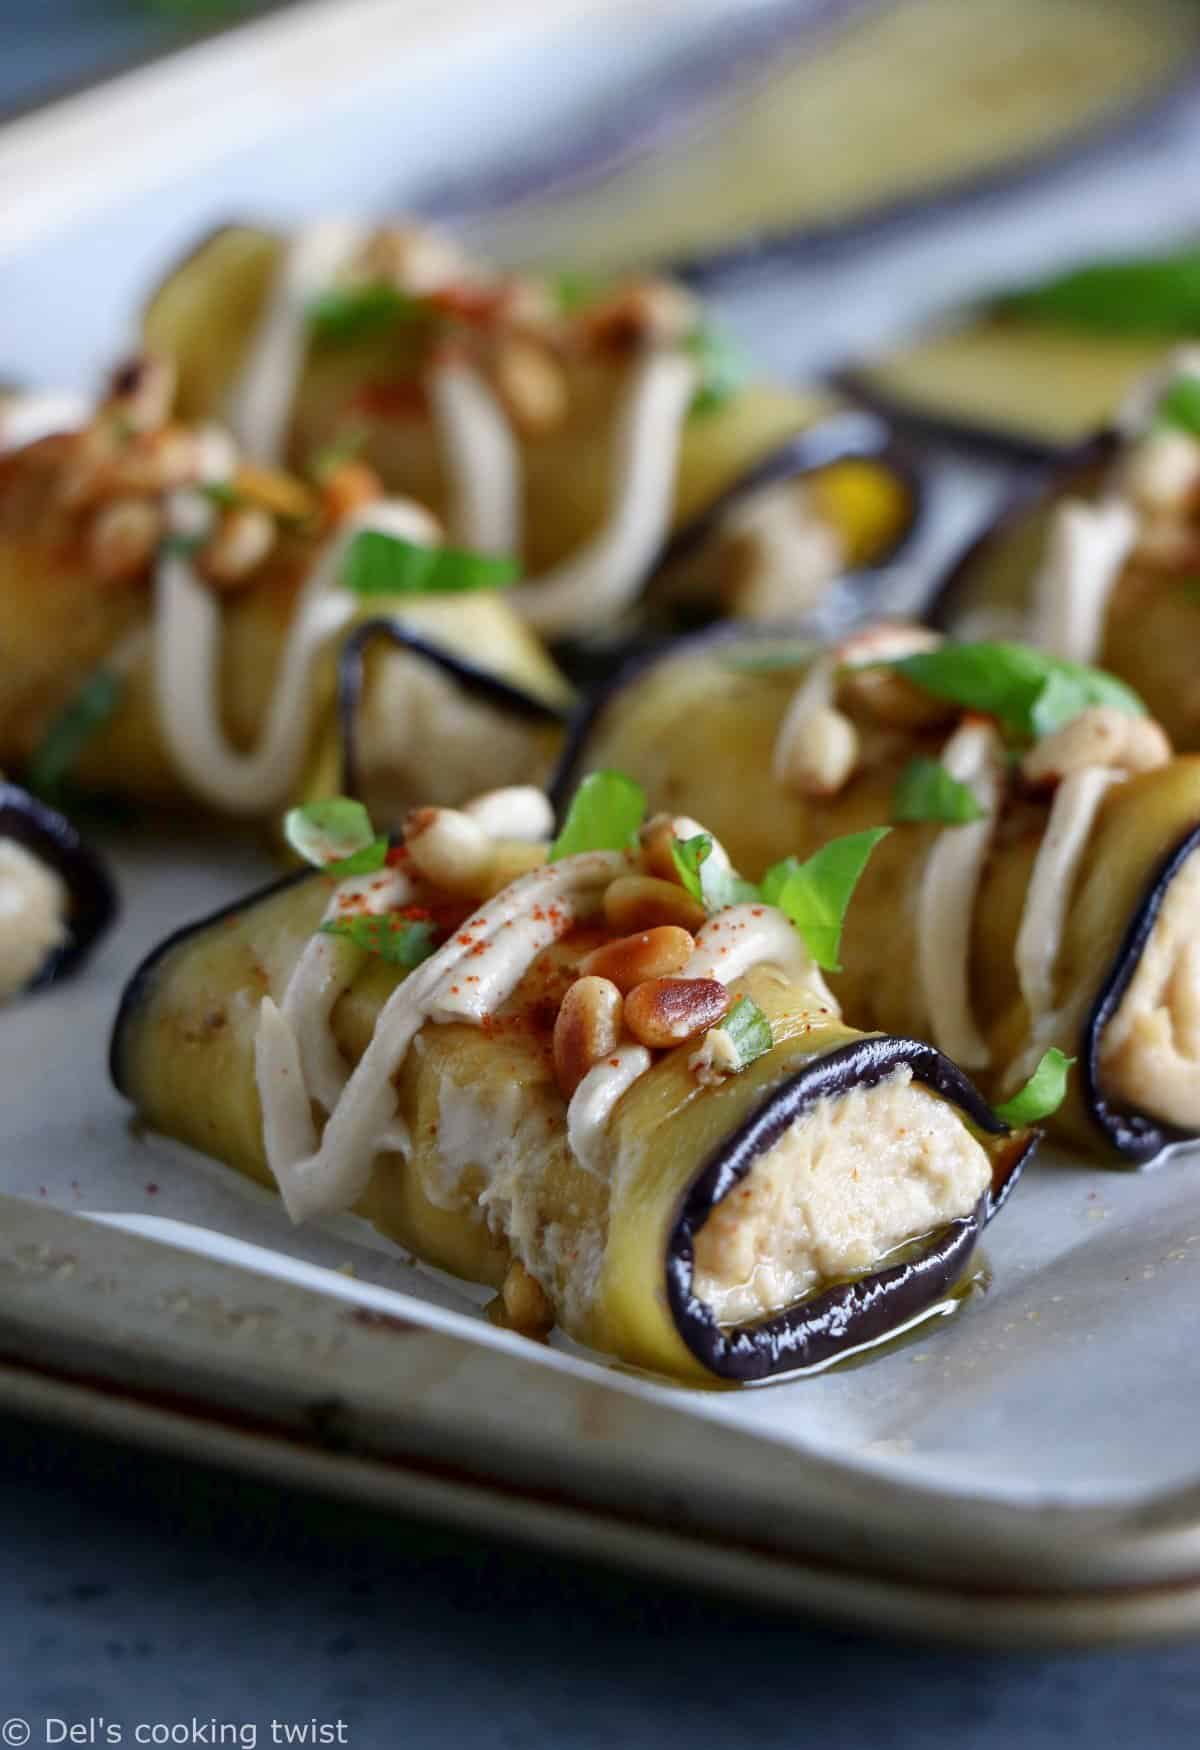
(587, 1029)
(643, 902)
(1100, 736)
(656, 838)
(666, 1011)
(123, 538)
(819, 757)
(526, 1306)
(243, 539)
(449, 849)
(142, 390)
(531, 384)
(347, 487)
(632, 960)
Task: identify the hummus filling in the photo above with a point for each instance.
(33, 914)
(858, 1175)
(1150, 1052)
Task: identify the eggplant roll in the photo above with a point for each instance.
(56, 898)
(557, 1103)
(1099, 562)
(1059, 905)
(790, 125)
(176, 626)
(577, 429)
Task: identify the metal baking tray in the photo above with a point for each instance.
(1024, 1472)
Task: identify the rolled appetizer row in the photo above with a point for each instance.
(553, 1069)
(1038, 888)
(595, 431)
(177, 624)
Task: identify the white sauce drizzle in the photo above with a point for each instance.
(1073, 813)
(603, 576)
(1086, 551)
(261, 401)
(818, 690)
(595, 1099)
(482, 458)
(751, 934)
(519, 811)
(502, 938)
(949, 888)
(37, 413)
(187, 638)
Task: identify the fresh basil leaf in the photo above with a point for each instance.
(604, 815)
(721, 887)
(925, 790)
(400, 941)
(1028, 691)
(1150, 295)
(815, 894)
(346, 445)
(1179, 405)
(1042, 1094)
(58, 752)
(336, 835)
(379, 564)
(688, 855)
(749, 1031)
(724, 368)
(348, 313)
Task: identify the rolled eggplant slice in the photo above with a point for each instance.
(1098, 561)
(171, 619)
(1060, 911)
(790, 126)
(57, 900)
(598, 438)
(659, 1202)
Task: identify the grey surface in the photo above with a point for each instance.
(138, 1591)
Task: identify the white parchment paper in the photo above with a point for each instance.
(1071, 1376)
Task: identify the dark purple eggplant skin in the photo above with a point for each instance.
(479, 682)
(950, 598)
(843, 436)
(649, 115)
(93, 895)
(850, 1315)
(1132, 1137)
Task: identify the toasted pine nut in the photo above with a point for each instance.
(1100, 736)
(666, 1011)
(820, 755)
(641, 311)
(142, 390)
(892, 699)
(643, 902)
(586, 1030)
(156, 461)
(526, 1306)
(650, 954)
(123, 537)
(347, 487)
(242, 540)
(1163, 470)
(531, 384)
(449, 849)
(656, 838)
(414, 258)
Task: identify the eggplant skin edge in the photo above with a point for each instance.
(850, 1314)
(972, 435)
(950, 594)
(493, 689)
(92, 894)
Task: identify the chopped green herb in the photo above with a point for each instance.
(762, 655)
(335, 834)
(575, 291)
(346, 445)
(347, 313)
(1042, 1094)
(1031, 693)
(604, 815)
(186, 546)
(688, 855)
(722, 886)
(379, 564)
(925, 790)
(400, 941)
(222, 492)
(60, 748)
(1179, 405)
(749, 1031)
(1151, 295)
(723, 366)
(816, 894)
